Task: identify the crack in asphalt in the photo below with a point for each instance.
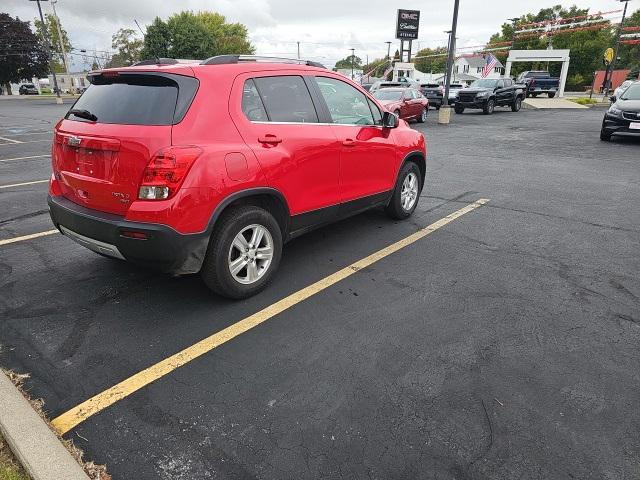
(546, 215)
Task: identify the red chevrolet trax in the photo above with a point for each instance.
(210, 167)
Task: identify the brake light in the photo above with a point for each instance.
(166, 171)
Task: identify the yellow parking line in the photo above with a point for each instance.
(23, 184)
(27, 237)
(99, 402)
(23, 158)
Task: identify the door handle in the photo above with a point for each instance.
(270, 139)
(348, 143)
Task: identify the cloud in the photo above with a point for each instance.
(327, 29)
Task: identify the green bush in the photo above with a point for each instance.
(576, 82)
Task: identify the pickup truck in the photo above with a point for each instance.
(539, 82)
(488, 93)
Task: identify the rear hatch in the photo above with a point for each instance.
(105, 141)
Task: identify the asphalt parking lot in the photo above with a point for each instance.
(503, 345)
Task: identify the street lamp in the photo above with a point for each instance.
(353, 53)
(48, 47)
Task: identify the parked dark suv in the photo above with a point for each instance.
(209, 167)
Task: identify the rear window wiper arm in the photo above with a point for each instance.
(86, 114)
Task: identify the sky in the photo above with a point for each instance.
(326, 29)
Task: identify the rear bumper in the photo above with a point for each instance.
(164, 249)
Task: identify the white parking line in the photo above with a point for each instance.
(23, 158)
(10, 140)
(27, 237)
(23, 183)
(16, 142)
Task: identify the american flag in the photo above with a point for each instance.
(489, 65)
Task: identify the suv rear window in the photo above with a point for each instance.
(137, 99)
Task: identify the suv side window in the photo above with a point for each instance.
(500, 84)
(508, 82)
(377, 114)
(347, 105)
(286, 99)
(252, 103)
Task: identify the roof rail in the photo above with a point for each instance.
(163, 61)
(228, 59)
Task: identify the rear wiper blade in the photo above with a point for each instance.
(86, 114)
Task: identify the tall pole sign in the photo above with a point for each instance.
(407, 27)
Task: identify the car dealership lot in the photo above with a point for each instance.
(502, 345)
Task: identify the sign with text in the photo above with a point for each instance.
(408, 24)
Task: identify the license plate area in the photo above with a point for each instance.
(90, 162)
(634, 126)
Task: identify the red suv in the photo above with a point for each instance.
(210, 167)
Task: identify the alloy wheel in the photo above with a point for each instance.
(409, 192)
(250, 254)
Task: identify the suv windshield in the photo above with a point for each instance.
(631, 93)
(388, 94)
(484, 83)
(135, 99)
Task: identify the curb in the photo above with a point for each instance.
(31, 440)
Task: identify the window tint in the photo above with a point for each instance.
(346, 104)
(137, 99)
(508, 82)
(500, 84)
(252, 104)
(377, 115)
(286, 99)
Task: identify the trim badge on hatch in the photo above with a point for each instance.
(74, 141)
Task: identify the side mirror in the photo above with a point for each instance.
(389, 120)
(613, 98)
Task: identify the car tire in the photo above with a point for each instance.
(489, 106)
(406, 192)
(534, 95)
(551, 94)
(458, 109)
(604, 135)
(517, 104)
(437, 107)
(224, 252)
(423, 116)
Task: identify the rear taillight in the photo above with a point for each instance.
(166, 171)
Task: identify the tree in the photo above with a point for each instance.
(431, 60)
(50, 29)
(22, 56)
(195, 35)
(127, 47)
(347, 62)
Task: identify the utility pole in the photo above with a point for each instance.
(388, 50)
(609, 71)
(65, 59)
(353, 54)
(298, 50)
(47, 45)
(448, 32)
(445, 110)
